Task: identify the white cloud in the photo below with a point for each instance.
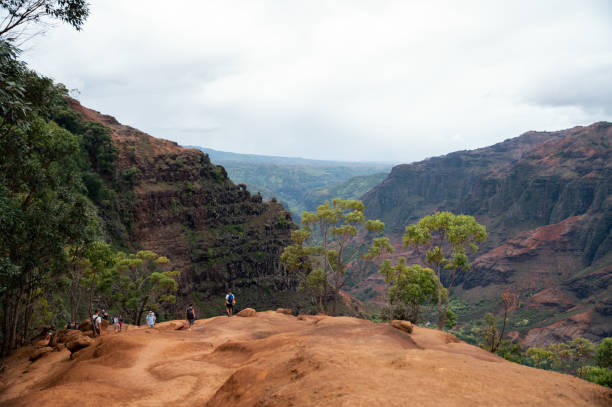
(351, 80)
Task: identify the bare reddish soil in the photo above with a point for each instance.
(274, 359)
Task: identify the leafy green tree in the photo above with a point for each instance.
(42, 208)
(100, 258)
(337, 224)
(45, 211)
(296, 257)
(140, 281)
(447, 239)
(316, 280)
(413, 286)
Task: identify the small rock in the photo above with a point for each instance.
(405, 326)
(286, 311)
(247, 312)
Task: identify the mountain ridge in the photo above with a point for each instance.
(520, 189)
(215, 232)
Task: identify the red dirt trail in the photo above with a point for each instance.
(274, 359)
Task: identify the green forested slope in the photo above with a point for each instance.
(291, 180)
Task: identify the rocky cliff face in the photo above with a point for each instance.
(216, 233)
(545, 199)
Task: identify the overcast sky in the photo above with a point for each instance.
(347, 80)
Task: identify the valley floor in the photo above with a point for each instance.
(274, 359)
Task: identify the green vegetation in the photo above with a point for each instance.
(412, 286)
(43, 207)
(139, 282)
(323, 263)
(489, 332)
(298, 183)
(446, 238)
(61, 197)
(353, 188)
(579, 357)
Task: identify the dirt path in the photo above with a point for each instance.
(279, 360)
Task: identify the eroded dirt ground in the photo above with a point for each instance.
(274, 359)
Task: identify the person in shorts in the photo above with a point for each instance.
(190, 316)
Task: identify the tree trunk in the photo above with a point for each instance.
(75, 294)
(91, 288)
(142, 305)
(15, 318)
(27, 316)
(5, 325)
(325, 299)
(501, 335)
(440, 319)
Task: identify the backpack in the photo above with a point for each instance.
(190, 313)
(230, 299)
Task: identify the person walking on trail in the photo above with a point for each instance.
(120, 319)
(190, 316)
(116, 323)
(230, 300)
(151, 319)
(96, 323)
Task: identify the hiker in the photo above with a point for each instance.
(104, 315)
(120, 319)
(190, 316)
(116, 323)
(230, 300)
(96, 323)
(151, 319)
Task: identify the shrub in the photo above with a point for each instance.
(596, 374)
(604, 354)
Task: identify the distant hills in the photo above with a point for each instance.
(545, 198)
(298, 183)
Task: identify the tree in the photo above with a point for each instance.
(489, 332)
(17, 15)
(43, 208)
(316, 280)
(336, 224)
(447, 238)
(413, 286)
(100, 257)
(139, 281)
